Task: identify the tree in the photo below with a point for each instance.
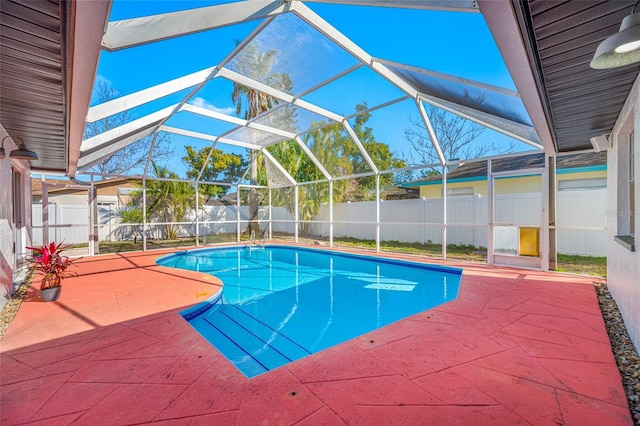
(336, 151)
(132, 156)
(457, 137)
(298, 164)
(381, 155)
(169, 201)
(250, 103)
(131, 214)
(222, 167)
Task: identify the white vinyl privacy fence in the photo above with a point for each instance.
(580, 220)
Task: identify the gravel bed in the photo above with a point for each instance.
(625, 354)
(13, 304)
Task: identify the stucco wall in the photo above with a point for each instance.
(511, 185)
(7, 222)
(623, 266)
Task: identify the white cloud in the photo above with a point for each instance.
(202, 103)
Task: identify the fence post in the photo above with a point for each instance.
(45, 212)
(297, 212)
(270, 216)
(92, 204)
(424, 220)
(197, 215)
(331, 213)
(144, 213)
(238, 214)
(444, 211)
(377, 212)
(490, 205)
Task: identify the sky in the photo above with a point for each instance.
(454, 43)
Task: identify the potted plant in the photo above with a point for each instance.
(53, 267)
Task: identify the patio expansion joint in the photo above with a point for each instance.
(457, 365)
(80, 413)
(184, 355)
(35, 370)
(403, 404)
(557, 397)
(603, 333)
(43, 402)
(381, 345)
(35, 347)
(63, 418)
(317, 411)
(555, 307)
(123, 382)
(187, 417)
(566, 388)
(115, 295)
(244, 392)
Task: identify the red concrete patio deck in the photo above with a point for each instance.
(516, 347)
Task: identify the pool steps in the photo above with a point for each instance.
(256, 347)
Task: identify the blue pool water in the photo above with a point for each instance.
(279, 303)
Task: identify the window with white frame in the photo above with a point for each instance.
(632, 201)
(582, 184)
(626, 208)
(460, 192)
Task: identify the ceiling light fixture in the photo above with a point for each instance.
(22, 153)
(621, 48)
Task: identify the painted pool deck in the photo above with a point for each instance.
(516, 348)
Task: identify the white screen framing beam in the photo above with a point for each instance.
(279, 167)
(268, 90)
(87, 160)
(451, 78)
(313, 158)
(206, 137)
(432, 133)
(363, 151)
(213, 114)
(469, 6)
(235, 120)
(116, 106)
(137, 31)
(110, 136)
(521, 132)
(343, 41)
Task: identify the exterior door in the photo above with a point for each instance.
(17, 198)
(517, 218)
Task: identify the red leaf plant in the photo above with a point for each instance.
(52, 265)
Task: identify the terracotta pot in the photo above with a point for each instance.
(50, 294)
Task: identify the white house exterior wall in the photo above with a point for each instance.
(623, 265)
(7, 222)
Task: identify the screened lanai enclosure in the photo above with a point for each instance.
(314, 122)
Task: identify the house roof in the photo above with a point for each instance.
(560, 38)
(57, 185)
(478, 169)
(48, 57)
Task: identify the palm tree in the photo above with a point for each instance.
(169, 201)
(250, 103)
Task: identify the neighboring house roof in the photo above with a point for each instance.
(66, 185)
(404, 194)
(478, 169)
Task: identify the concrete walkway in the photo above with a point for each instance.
(516, 347)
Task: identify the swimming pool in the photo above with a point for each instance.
(281, 303)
